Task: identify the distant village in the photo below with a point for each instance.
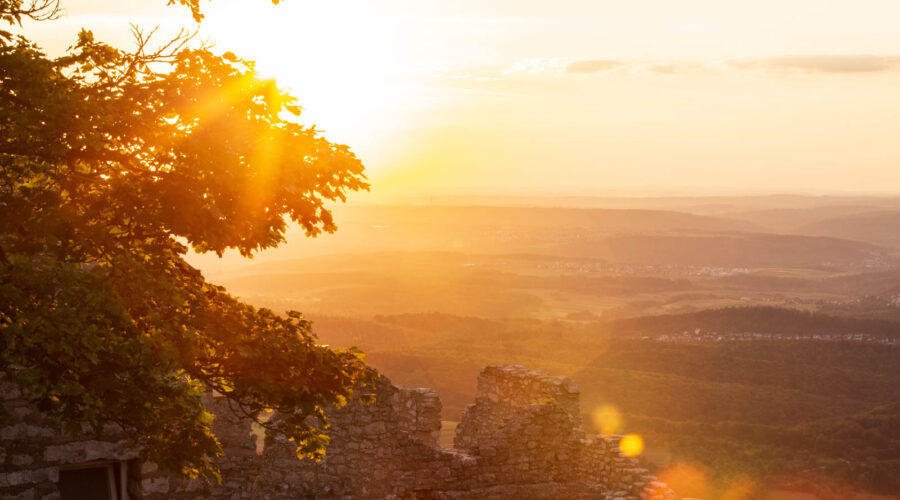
(581, 267)
(699, 335)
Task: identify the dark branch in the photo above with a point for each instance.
(12, 11)
(140, 60)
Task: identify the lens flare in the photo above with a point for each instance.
(631, 445)
(607, 419)
(687, 480)
(658, 491)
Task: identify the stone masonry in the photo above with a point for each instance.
(522, 439)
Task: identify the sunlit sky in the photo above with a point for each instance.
(571, 96)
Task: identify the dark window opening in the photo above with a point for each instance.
(94, 482)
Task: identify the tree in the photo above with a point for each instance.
(194, 5)
(113, 164)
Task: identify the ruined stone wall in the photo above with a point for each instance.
(524, 426)
(419, 411)
(33, 449)
(389, 447)
(522, 438)
(527, 425)
(621, 476)
(516, 386)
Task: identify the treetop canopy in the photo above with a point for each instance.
(112, 163)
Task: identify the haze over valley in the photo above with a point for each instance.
(732, 332)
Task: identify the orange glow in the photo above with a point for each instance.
(462, 96)
(687, 479)
(631, 445)
(740, 488)
(266, 162)
(607, 419)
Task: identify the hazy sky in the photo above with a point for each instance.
(578, 96)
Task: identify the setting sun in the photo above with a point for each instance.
(437, 98)
(347, 64)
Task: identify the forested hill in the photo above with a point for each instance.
(761, 319)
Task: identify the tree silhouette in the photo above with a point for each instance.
(194, 5)
(113, 164)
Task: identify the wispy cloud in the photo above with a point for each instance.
(591, 66)
(823, 63)
(550, 69)
(804, 63)
(670, 67)
(595, 66)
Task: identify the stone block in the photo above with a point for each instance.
(158, 485)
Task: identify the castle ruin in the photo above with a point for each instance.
(522, 439)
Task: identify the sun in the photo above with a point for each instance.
(346, 65)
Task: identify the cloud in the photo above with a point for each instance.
(670, 67)
(537, 66)
(803, 63)
(591, 66)
(559, 67)
(822, 63)
(674, 67)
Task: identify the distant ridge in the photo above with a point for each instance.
(761, 319)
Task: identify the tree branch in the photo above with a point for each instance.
(12, 11)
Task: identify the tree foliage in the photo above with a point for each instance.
(194, 5)
(112, 165)
(12, 11)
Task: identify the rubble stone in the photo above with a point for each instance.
(522, 438)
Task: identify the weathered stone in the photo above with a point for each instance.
(155, 485)
(521, 439)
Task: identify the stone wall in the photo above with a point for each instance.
(34, 448)
(525, 426)
(522, 438)
(419, 411)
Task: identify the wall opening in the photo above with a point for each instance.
(95, 481)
